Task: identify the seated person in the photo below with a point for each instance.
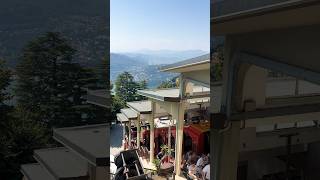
(185, 159)
(201, 163)
(192, 170)
(206, 172)
(192, 158)
(200, 160)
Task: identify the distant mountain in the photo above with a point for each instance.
(144, 65)
(156, 57)
(84, 23)
(139, 68)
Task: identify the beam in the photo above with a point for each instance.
(138, 130)
(275, 65)
(151, 122)
(178, 114)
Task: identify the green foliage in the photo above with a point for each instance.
(125, 91)
(157, 163)
(5, 79)
(126, 88)
(116, 105)
(50, 89)
(172, 83)
(50, 86)
(21, 137)
(103, 73)
(216, 66)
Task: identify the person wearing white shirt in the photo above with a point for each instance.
(206, 172)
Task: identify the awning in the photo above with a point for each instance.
(161, 94)
(142, 107)
(122, 118)
(129, 113)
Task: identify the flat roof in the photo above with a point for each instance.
(187, 63)
(143, 107)
(62, 163)
(91, 142)
(99, 97)
(122, 118)
(162, 94)
(35, 172)
(129, 113)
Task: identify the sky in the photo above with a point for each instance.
(159, 25)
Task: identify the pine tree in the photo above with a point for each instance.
(5, 79)
(50, 85)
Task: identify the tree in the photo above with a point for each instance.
(18, 137)
(5, 76)
(5, 79)
(143, 84)
(216, 66)
(171, 83)
(125, 91)
(103, 73)
(50, 85)
(116, 105)
(126, 88)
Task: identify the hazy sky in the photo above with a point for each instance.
(159, 24)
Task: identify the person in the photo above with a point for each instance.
(192, 170)
(185, 160)
(201, 163)
(192, 158)
(206, 171)
(200, 160)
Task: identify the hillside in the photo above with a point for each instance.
(84, 23)
(139, 68)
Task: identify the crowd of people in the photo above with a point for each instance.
(196, 167)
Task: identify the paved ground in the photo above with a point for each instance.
(116, 139)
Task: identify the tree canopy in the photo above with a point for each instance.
(50, 84)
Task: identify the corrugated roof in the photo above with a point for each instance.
(161, 94)
(122, 118)
(189, 62)
(143, 107)
(129, 113)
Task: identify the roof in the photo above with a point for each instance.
(187, 63)
(61, 163)
(161, 94)
(90, 142)
(129, 113)
(35, 172)
(99, 97)
(122, 118)
(267, 14)
(143, 107)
